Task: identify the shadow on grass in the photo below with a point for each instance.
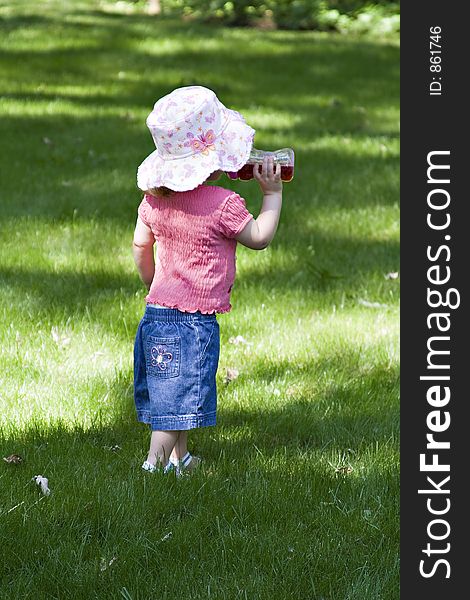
(329, 86)
(354, 409)
(259, 492)
(76, 292)
(275, 483)
(92, 162)
(339, 265)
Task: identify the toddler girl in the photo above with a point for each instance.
(196, 228)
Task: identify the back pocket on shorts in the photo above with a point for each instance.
(162, 356)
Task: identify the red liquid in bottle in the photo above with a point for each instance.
(287, 172)
(282, 158)
(246, 172)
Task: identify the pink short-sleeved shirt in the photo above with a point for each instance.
(195, 259)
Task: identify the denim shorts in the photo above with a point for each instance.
(176, 355)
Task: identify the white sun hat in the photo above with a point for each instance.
(195, 135)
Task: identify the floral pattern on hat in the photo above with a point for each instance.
(194, 135)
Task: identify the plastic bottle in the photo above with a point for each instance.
(284, 157)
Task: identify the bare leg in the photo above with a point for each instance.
(181, 446)
(161, 444)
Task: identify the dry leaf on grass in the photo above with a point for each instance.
(105, 564)
(43, 483)
(114, 448)
(231, 374)
(293, 390)
(13, 459)
(368, 304)
(345, 470)
(60, 340)
(239, 339)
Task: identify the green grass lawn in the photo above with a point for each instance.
(299, 494)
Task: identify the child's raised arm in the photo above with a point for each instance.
(258, 233)
(142, 249)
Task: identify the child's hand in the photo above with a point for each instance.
(269, 181)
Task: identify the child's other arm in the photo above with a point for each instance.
(142, 249)
(258, 233)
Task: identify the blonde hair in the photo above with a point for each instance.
(164, 192)
(161, 192)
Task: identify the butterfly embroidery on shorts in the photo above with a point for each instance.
(160, 358)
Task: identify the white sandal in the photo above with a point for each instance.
(193, 464)
(149, 467)
(152, 468)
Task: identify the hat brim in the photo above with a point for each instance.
(229, 152)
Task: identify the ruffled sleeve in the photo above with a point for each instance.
(144, 211)
(234, 216)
